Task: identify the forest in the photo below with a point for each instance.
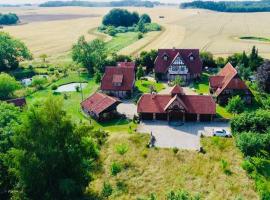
(230, 6)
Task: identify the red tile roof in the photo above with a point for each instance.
(126, 64)
(20, 102)
(227, 78)
(98, 102)
(113, 73)
(194, 66)
(177, 89)
(156, 103)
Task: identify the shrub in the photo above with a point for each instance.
(140, 35)
(122, 186)
(116, 168)
(257, 121)
(8, 85)
(251, 143)
(152, 27)
(111, 31)
(248, 166)
(121, 149)
(235, 105)
(54, 87)
(181, 195)
(175, 150)
(144, 153)
(106, 190)
(77, 88)
(225, 167)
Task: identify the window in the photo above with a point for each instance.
(191, 58)
(174, 68)
(165, 57)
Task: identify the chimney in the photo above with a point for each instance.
(125, 60)
(173, 48)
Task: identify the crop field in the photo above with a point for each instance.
(54, 30)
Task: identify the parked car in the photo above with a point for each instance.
(221, 133)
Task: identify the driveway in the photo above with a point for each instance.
(127, 108)
(187, 90)
(182, 137)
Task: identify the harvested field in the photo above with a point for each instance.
(55, 17)
(191, 28)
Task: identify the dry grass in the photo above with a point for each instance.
(207, 30)
(161, 170)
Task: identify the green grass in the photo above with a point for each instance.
(202, 86)
(223, 113)
(121, 40)
(158, 171)
(261, 39)
(72, 104)
(144, 86)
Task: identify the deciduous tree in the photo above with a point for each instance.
(52, 158)
(8, 85)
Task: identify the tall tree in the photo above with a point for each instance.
(8, 85)
(52, 158)
(147, 59)
(120, 17)
(91, 55)
(10, 118)
(12, 51)
(145, 18)
(235, 105)
(263, 76)
(208, 59)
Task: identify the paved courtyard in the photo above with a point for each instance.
(182, 137)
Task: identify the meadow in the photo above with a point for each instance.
(191, 28)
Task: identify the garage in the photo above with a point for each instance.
(147, 116)
(191, 117)
(176, 116)
(161, 116)
(205, 118)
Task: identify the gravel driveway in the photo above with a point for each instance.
(127, 108)
(182, 137)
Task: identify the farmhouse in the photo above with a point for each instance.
(176, 106)
(227, 83)
(185, 63)
(100, 106)
(119, 81)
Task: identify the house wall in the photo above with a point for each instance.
(119, 94)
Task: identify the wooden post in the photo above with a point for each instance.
(154, 116)
(198, 117)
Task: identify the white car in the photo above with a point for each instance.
(221, 133)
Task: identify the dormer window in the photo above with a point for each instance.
(117, 80)
(191, 57)
(165, 57)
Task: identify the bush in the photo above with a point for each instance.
(121, 186)
(152, 27)
(54, 87)
(8, 85)
(120, 17)
(175, 150)
(116, 168)
(77, 88)
(121, 149)
(140, 35)
(111, 31)
(251, 143)
(225, 167)
(257, 121)
(235, 105)
(248, 166)
(106, 190)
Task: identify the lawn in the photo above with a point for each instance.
(144, 171)
(144, 86)
(73, 100)
(223, 113)
(202, 86)
(121, 40)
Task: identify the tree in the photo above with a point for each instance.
(263, 76)
(120, 17)
(10, 117)
(234, 59)
(147, 59)
(208, 59)
(8, 85)
(220, 62)
(178, 80)
(254, 59)
(141, 27)
(145, 18)
(12, 51)
(235, 105)
(244, 60)
(52, 158)
(8, 19)
(91, 55)
(39, 82)
(256, 121)
(43, 57)
(140, 72)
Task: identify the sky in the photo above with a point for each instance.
(40, 1)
